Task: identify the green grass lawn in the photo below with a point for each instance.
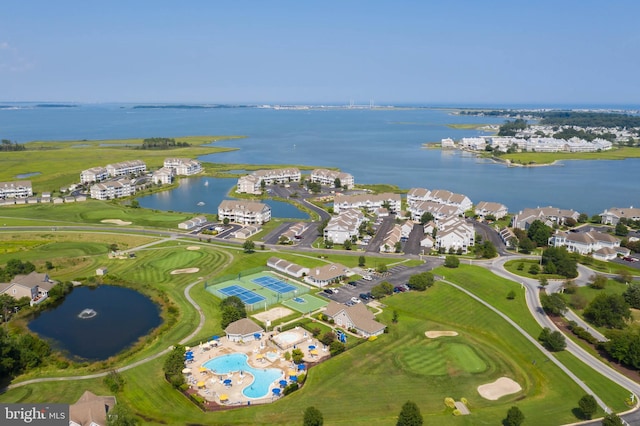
(550, 157)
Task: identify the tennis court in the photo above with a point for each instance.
(274, 284)
(247, 296)
(305, 303)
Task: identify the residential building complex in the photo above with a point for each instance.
(252, 184)
(112, 189)
(344, 227)
(94, 174)
(454, 234)
(488, 208)
(16, 189)
(328, 178)
(369, 202)
(183, 166)
(163, 176)
(613, 215)
(126, 168)
(244, 212)
(600, 245)
(548, 215)
(356, 317)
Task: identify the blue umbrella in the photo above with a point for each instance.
(215, 338)
(312, 347)
(293, 378)
(276, 391)
(301, 367)
(227, 381)
(283, 383)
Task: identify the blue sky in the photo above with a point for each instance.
(429, 52)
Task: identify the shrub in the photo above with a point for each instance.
(456, 412)
(511, 295)
(450, 402)
(291, 387)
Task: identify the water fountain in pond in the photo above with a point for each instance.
(87, 313)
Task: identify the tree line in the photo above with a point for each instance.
(162, 143)
(7, 145)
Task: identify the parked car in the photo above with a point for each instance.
(355, 300)
(367, 278)
(328, 291)
(353, 283)
(364, 296)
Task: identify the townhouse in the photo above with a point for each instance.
(602, 246)
(112, 189)
(126, 168)
(454, 234)
(163, 176)
(183, 166)
(244, 212)
(369, 202)
(294, 232)
(613, 215)
(287, 267)
(252, 184)
(344, 227)
(439, 211)
(328, 178)
(390, 240)
(440, 196)
(488, 208)
(34, 285)
(16, 189)
(93, 175)
(548, 215)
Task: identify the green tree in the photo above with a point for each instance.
(583, 218)
(114, 381)
(120, 415)
(451, 262)
(608, 310)
(553, 304)
(612, 419)
(543, 281)
(173, 365)
(552, 340)
(564, 263)
(225, 221)
(534, 269)
(426, 218)
(621, 230)
(632, 296)
(598, 281)
(588, 406)
(539, 233)
(526, 245)
(336, 348)
(361, 261)
(249, 246)
(232, 309)
(297, 356)
(347, 244)
(511, 295)
(337, 183)
(421, 281)
(410, 415)
(515, 417)
(312, 417)
(328, 338)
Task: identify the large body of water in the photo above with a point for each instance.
(376, 146)
(121, 317)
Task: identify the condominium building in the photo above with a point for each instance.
(244, 212)
(369, 202)
(252, 184)
(344, 227)
(163, 176)
(112, 189)
(126, 168)
(328, 177)
(183, 166)
(16, 189)
(94, 174)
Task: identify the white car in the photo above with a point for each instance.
(355, 300)
(367, 278)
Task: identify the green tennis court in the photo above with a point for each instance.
(305, 303)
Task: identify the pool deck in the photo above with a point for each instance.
(257, 351)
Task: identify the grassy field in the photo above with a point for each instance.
(60, 163)
(90, 211)
(550, 157)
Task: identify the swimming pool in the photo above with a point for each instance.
(263, 378)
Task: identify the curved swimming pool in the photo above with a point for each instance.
(263, 378)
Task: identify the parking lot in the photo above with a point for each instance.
(396, 275)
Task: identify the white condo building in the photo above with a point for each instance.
(126, 168)
(183, 166)
(328, 178)
(94, 174)
(244, 212)
(16, 189)
(113, 189)
(344, 227)
(252, 184)
(369, 202)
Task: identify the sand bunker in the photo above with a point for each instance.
(115, 222)
(434, 334)
(273, 314)
(185, 271)
(193, 248)
(501, 387)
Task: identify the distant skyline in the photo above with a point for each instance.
(421, 52)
